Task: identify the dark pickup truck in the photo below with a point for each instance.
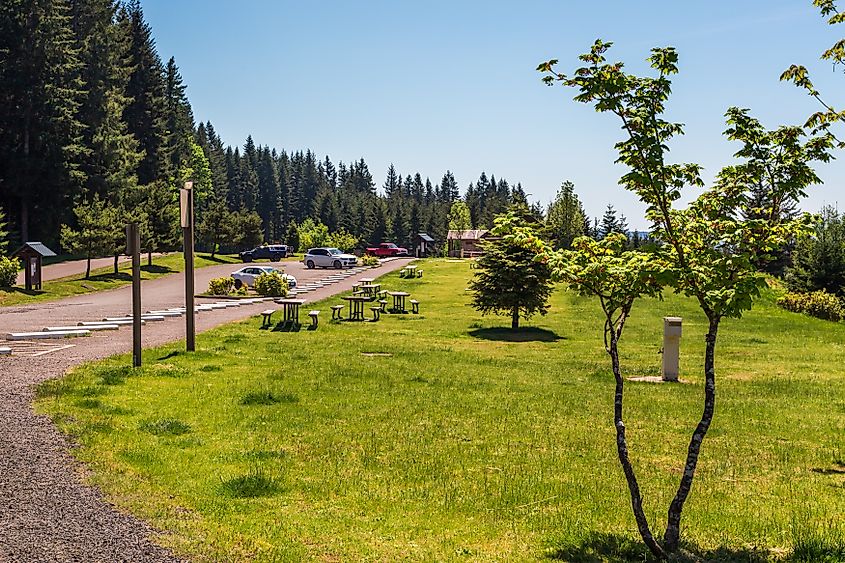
(272, 252)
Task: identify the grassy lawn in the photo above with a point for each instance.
(105, 278)
(440, 437)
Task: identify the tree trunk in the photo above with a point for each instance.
(672, 537)
(88, 267)
(24, 219)
(515, 318)
(622, 452)
(150, 258)
(115, 264)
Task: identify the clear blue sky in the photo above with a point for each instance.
(439, 85)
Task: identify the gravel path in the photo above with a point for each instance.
(47, 513)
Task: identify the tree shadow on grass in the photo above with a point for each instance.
(600, 547)
(110, 277)
(211, 258)
(526, 334)
(23, 290)
(156, 269)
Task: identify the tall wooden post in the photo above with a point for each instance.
(187, 208)
(133, 248)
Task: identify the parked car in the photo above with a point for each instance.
(328, 258)
(387, 249)
(246, 276)
(272, 252)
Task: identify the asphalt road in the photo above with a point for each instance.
(76, 267)
(161, 293)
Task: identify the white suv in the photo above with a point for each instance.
(328, 258)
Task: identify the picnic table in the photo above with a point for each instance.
(398, 300)
(366, 280)
(408, 271)
(370, 289)
(290, 310)
(356, 306)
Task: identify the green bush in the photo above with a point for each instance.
(819, 304)
(8, 271)
(271, 285)
(221, 286)
(369, 260)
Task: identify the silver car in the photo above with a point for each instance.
(246, 276)
(328, 258)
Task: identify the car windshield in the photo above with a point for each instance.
(391, 245)
(334, 251)
(268, 270)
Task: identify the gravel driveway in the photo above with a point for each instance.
(47, 513)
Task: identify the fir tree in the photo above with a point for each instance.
(566, 217)
(509, 281)
(97, 229)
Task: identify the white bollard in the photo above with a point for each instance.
(671, 348)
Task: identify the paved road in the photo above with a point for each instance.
(46, 512)
(77, 267)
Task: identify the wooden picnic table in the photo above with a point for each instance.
(370, 289)
(356, 306)
(398, 300)
(366, 280)
(290, 309)
(408, 271)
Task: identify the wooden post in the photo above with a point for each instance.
(133, 248)
(187, 215)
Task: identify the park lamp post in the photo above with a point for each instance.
(186, 207)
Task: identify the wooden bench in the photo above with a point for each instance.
(383, 305)
(267, 316)
(313, 315)
(356, 287)
(376, 312)
(419, 273)
(336, 309)
(415, 306)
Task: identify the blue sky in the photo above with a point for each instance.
(439, 85)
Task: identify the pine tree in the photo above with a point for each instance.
(178, 117)
(4, 233)
(40, 132)
(610, 223)
(97, 228)
(566, 217)
(146, 112)
(509, 281)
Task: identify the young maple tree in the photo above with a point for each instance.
(707, 250)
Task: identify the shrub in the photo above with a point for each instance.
(8, 271)
(819, 304)
(221, 286)
(271, 285)
(369, 260)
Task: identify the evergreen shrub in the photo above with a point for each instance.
(221, 286)
(819, 304)
(8, 271)
(271, 285)
(369, 260)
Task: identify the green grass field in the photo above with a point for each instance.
(104, 278)
(441, 437)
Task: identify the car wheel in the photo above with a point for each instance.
(276, 257)
(310, 264)
(247, 258)
(238, 284)
(337, 264)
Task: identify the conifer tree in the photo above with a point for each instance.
(146, 113)
(178, 117)
(97, 228)
(566, 217)
(40, 132)
(4, 233)
(509, 281)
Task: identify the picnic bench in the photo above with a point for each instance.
(376, 312)
(336, 309)
(415, 306)
(267, 317)
(313, 315)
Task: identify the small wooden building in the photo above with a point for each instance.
(423, 245)
(467, 244)
(31, 254)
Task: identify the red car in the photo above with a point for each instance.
(387, 249)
